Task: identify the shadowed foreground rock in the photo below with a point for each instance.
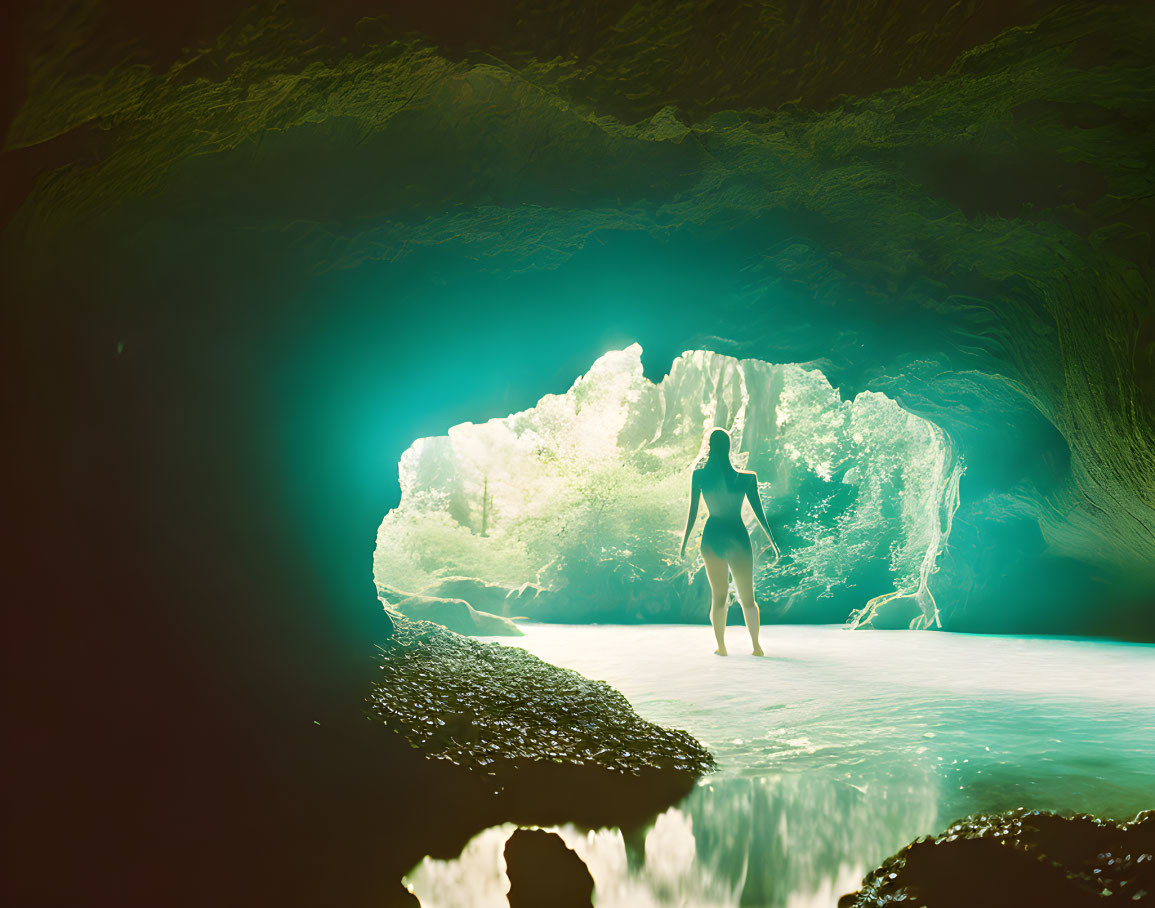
(1020, 858)
(542, 870)
(498, 708)
(488, 734)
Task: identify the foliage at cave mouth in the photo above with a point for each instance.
(583, 497)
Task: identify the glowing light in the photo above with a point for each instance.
(594, 483)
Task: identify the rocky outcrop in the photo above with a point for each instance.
(488, 597)
(498, 709)
(1020, 859)
(457, 615)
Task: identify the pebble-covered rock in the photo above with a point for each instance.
(494, 708)
(1020, 858)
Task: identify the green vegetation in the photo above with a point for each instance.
(587, 492)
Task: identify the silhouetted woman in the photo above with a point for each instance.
(725, 542)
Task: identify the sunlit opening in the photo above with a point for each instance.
(574, 508)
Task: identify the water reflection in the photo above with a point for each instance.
(476, 879)
(837, 754)
(778, 841)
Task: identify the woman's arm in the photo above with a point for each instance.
(756, 504)
(695, 494)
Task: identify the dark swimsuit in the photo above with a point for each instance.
(725, 534)
(726, 537)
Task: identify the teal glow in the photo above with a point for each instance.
(584, 494)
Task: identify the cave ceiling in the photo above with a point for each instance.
(957, 196)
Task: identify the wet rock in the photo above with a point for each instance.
(487, 597)
(457, 615)
(498, 709)
(542, 870)
(1020, 858)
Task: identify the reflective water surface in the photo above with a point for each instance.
(836, 750)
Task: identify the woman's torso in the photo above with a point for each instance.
(724, 534)
(724, 492)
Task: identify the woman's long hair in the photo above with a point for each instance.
(718, 452)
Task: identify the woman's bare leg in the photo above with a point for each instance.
(742, 567)
(719, 576)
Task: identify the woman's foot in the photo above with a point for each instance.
(758, 650)
(720, 651)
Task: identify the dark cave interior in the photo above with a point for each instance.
(253, 251)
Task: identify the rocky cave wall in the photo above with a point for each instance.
(235, 233)
(974, 242)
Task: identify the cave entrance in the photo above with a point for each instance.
(573, 510)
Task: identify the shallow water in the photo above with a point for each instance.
(836, 750)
